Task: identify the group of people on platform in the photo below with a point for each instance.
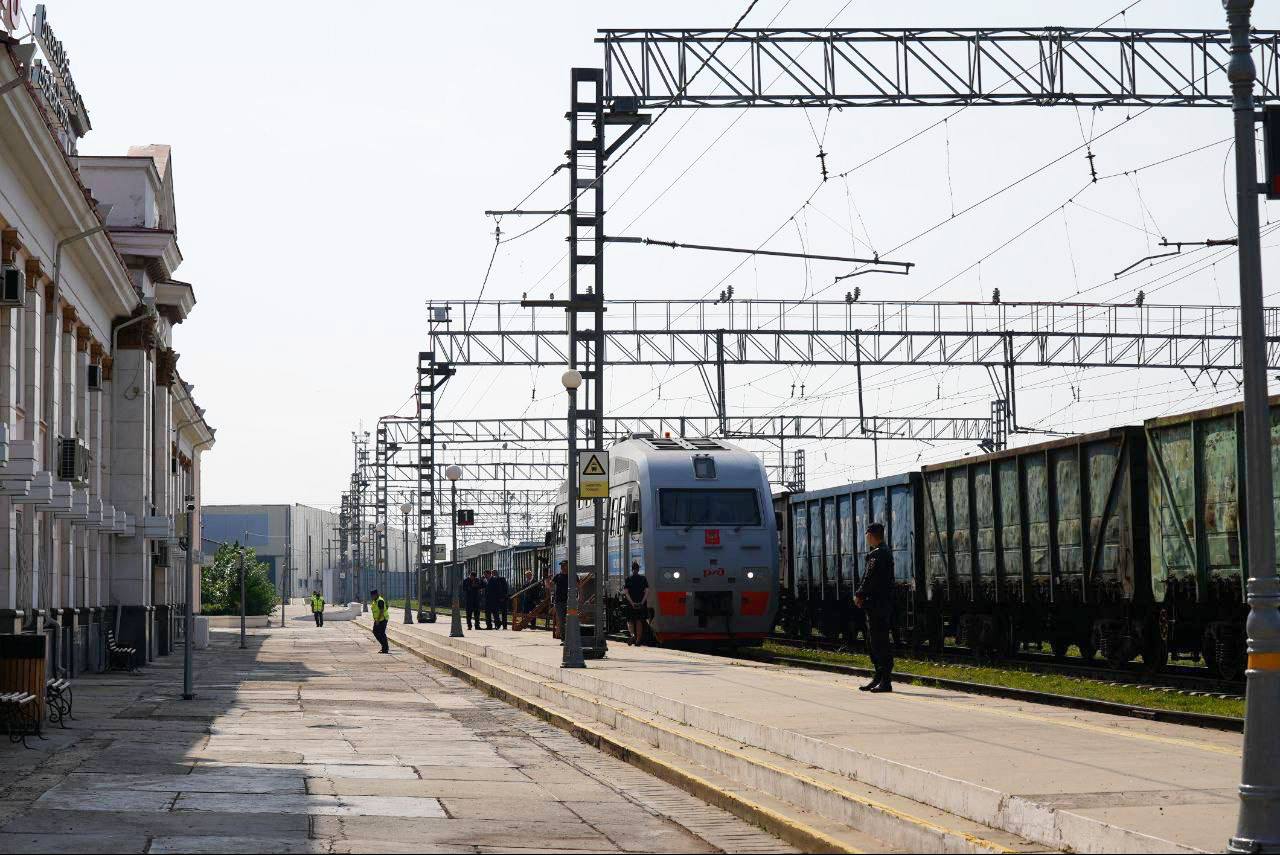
(874, 596)
(493, 592)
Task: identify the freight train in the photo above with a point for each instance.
(1123, 543)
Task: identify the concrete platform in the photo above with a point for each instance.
(1058, 778)
(310, 741)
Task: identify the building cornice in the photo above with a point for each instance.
(175, 300)
(66, 198)
(157, 245)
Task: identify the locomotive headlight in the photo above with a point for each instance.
(675, 575)
(757, 572)
(751, 574)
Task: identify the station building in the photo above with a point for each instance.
(101, 438)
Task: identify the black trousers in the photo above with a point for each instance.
(473, 615)
(879, 625)
(380, 633)
(319, 616)
(495, 616)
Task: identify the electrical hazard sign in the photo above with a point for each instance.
(593, 475)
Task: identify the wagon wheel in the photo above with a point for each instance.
(1088, 649)
(1155, 653)
(1230, 660)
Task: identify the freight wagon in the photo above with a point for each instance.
(1124, 543)
(823, 549)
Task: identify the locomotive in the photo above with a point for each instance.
(695, 513)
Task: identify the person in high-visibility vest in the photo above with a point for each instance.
(317, 607)
(378, 609)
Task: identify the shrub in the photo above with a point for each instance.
(220, 583)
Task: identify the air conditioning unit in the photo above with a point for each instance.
(13, 286)
(94, 379)
(160, 553)
(73, 461)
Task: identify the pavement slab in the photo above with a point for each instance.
(309, 742)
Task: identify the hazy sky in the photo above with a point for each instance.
(333, 162)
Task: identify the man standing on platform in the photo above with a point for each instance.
(497, 595)
(317, 607)
(560, 597)
(875, 597)
(379, 612)
(473, 591)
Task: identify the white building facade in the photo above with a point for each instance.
(103, 438)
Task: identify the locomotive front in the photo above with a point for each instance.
(710, 540)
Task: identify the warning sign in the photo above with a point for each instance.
(593, 475)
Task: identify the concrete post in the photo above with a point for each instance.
(455, 626)
(1258, 829)
(572, 629)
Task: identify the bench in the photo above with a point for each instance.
(58, 698)
(119, 657)
(20, 716)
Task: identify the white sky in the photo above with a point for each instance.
(333, 160)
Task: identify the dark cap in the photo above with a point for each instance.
(564, 564)
(374, 592)
(876, 529)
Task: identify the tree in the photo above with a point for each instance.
(220, 583)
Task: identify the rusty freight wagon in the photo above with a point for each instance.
(1196, 479)
(826, 548)
(1045, 544)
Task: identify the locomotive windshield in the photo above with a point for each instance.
(709, 507)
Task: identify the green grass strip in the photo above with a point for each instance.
(1014, 678)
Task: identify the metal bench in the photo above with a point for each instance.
(118, 657)
(58, 698)
(20, 716)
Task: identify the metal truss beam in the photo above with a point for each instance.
(897, 67)
(773, 332)
(548, 432)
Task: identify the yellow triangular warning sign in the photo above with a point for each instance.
(593, 467)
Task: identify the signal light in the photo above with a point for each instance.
(1271, 142)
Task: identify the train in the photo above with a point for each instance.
(697, 515)
(1123, 543)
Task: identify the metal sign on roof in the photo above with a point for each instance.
(593, 474)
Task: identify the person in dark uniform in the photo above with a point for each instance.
(496, 598)
(637, 604)
(473, 591)
(875, 598)
(560, 597)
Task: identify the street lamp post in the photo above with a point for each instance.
(453, 473)
(1258, 827)
(405, 509)
(188, 619)
(240, 553)
(572, 650)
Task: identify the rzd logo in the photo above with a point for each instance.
(713, 571)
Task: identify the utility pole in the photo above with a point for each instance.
(1258, 828)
